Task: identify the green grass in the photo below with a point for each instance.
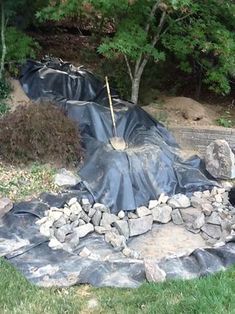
(214, 294)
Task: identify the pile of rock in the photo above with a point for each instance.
(208, 213)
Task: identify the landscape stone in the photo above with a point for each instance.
(54, 244)
(218, 198)
(190, 228)
(5, 206)
(76, 208)
(85, 217)
(153, 272)
(143, 211)
(198, 194)
(206, 193)
(163, 198)
(92, 212)
(121, 214)
(41, 221)
(66, 178)
(81, 222)
(212, 230)
(82, 231)
(196, 201)
(60, 222)
(116, 240)
(132, 216)
(140, 225)
(207, 208)
(214, 219)
(101, 207)
(179, 201)
(220, 160)
(153, 203)
(72, 201)
(96, 218)
(162, 213)
(199, 221)
(55, 215)
(61, 232)
(190, 214)
(45, 229)
(108, 219)
(102, 230)
(176, 217)
(122, 227)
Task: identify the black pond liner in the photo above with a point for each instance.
(121, 180)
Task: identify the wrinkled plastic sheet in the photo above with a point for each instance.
(121, 180)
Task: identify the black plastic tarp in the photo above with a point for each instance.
(122, 180)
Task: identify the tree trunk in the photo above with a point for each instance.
(2, 40)
(136, 79)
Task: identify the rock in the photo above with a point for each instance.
(61, 233)
(153, 203)
(176, 217)
(115, 239)
(86, 204)
(199, 221)
(130, 253)
(207, 209)
(108, 219)
(82, 231)
(75, 208)
(74, 224)
(101, 207)
(92, 212)
(179, 201)
(60, 222)
(102, 230)
(67, 211)
(41, 221)
(81, 222)
(140, 225)
(121, 214)
(54, 244)
(212, 231)
(72, 201)
(132, 216)
(206, 193)
(214, 219)
(85, 217)
(55, 215)
(190, 228)
(221, 190)
(220, 160)
(85, 252)
(163, 198)
(218, 198)
(122, 227)
(198, 194)
(45, 229)
(96, 218)
(74, 217)
(66, 178)
(143, 211)
(196, 201)
(162, 213)
(153, 272)
(5, 206)
(190, 214)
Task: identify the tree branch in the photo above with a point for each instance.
(128, 67)
(152, 13)
(159, 28)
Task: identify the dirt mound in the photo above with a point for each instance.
(183, 110)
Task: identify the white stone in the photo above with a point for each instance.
(54, 244)
(66, 178)
(179, 201)
(140, 225)
(162, 213)
(101, 207)
(121, 214)
(176, 217)
(82, 231)
(122, 227)
(218, 198)
(153, 203)
(41, 221)
(163, 198)
(55, 215)
(143, 211)
(72, 201)
(76, 208)
(85, 252)
(199, 222)
(102, 230)
(108, 219)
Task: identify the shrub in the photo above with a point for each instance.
(39, 133)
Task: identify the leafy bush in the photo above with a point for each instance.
(19, 48)
(39, 133)
(226, 120)
(5, 89)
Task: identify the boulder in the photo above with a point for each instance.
(122, 227)
(212, 231)
(176, 217)
(66, 178)
(162, 213)
(220, 160)
(140, 225)
(82, 231)
(143, 211)
(179, 201)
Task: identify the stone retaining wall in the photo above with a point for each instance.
(197, 138)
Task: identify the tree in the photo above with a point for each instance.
(195, 31)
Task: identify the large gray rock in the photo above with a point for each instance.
(176, 217)
(199, 221)
(143, 211)
(212, 231)
(140, 225)
(190, 214)
(179, 201)
(96, 218)
(214, 219)
(82, 231)
(122, 227)
(162, 213)
(220, 160)
(108, 219)
(5, 206)
(66, 178)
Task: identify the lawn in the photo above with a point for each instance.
(213, 294)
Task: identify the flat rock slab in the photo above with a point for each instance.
(140, 225)
(165, 240)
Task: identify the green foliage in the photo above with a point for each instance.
(226, 120)
(199, 34)
(5, 89)
(19, 47)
